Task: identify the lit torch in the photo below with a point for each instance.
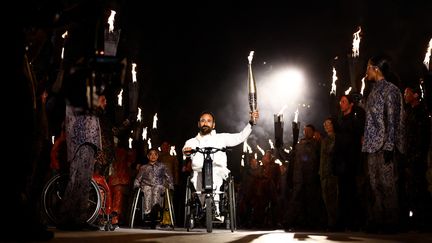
(333, 85)
(144, 133)
(354, 61)
(134, 77)
(295, 128)
(356, 43)
(139, 115)
(64, 35)
(428, 55)
(252, 86)
(260, 149)
(363, 86)
(120, 98)
(348, 91)
(111, 21)
(155, 118)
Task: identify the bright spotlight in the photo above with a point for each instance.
(290, 80)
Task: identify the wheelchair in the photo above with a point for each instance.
(138, 206)
(196, 214)
(52, 196)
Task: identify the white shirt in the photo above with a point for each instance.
(216, 140)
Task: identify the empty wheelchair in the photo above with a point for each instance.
(138, 207)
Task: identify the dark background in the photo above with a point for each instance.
(192, 56)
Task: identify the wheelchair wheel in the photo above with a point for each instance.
(134, 207)
(232, 205)
(209, 214)
(188, 219)
(52, 197)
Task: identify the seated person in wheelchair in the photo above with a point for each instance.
(207, 137)
(152, 179)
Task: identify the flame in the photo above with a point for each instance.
(250, 57)
(155, 118)
(52, 139)
(242, 161)
(111, 21)
(281, 111)
(356, 43)
(256, 156)
(348, 91)
(277, 161)
(260, 149)
(120, 98)
(149, 143)
(139, 114)
(296, 115)
(144, 133)
(64, 35)
(286, 150)
(134, 78)
(363, 86)
(172, 151)
(428, 54)
(130, 142)
(271, 144)
(333, 88)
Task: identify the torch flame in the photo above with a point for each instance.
(428, 54)
(139, 114)
(296, 115)
(149, 143)
(356, 43)
(111, 21)
(348, 91)
(144, 133)
(155, 118)
(64, 35)
(250, 57)
(277, 161)
(242, 161)
(120, 98)
(363, 85)
(271, 144)
(333, 88)
(134, 78)
(260, 149)
(172, 151)
(281, 111)
(246, 147)
(256, 156)
(130, 142)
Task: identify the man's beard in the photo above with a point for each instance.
(204, 130)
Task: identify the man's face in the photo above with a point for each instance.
(345, 105)
(165, 147)
(206, 124)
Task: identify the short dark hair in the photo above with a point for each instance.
(153, 149)
(311, 126)
(208, 113)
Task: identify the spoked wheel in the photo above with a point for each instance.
(188, 219)
(209, 213)
(134, 207)
(52, 197)
(232, 204)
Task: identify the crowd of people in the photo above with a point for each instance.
(372, 171)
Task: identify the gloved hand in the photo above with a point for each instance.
(388, 156)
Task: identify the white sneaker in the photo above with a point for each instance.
(219, 218)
